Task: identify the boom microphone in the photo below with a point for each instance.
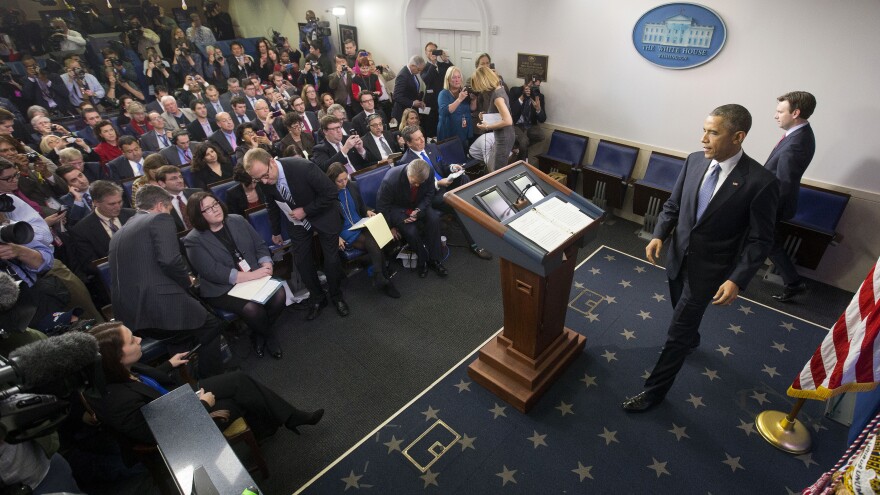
(47, 361)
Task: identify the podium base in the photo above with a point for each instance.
(517, 379)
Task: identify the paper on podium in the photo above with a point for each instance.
(377, 226)
(259, 290)
(550, 223)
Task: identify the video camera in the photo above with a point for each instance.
(133, 31)
(184, 50)
(15, 232)
(278, 40)
(56, 37)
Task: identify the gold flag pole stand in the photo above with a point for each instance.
(784, 431)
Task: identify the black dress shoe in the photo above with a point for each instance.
(391, 290)
(315, 310)
(299, 418)
(259, 344)
(274, 348)
(341, 308)
(423, 270)
(438, 267)
(299, 306)
(788, 293)
(482, 253)
(640, 403)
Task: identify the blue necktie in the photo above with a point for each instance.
(425, 157)
(87, 199)
(707, 190)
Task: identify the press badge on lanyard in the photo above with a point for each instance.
(242, 263)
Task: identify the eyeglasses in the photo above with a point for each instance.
(11, 177)
(213, 207)
(334, 128)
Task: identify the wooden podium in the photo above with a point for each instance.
(535, 346)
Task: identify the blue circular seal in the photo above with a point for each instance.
(679, 35)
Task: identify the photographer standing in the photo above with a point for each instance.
(186, 61)
(216, 68)
(80, 84)
(139, 38)
(197, 33)
(44, 89)
(341, 85)
(527, 110)
(66, 40)
(157, 71)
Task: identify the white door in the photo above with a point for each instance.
(462, 46)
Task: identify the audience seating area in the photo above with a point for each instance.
(814, 227)
(564, 155)
(605, 180)
(652, 190)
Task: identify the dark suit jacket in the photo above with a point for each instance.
(88, 135)
(393, 199)
(211, 259)
(212, 112)
(516, 108)
(735, 233)
(312, 117)
(405, 92)
(170, 153)
(197, 132)
(307, 144)
(373, 154)
(149, 276)
(324, 154)
(75, 212)
(57, 91)
(120, 168)
(312, 190)
(236, 199)
(93, 172)
(360, 122)
(178, 222)
(90, 240)
(150, 142)
(437, 161)
(788, 161)
(220, 140)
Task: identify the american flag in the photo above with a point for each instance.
(848, 358)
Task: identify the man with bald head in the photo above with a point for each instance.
(272, 126)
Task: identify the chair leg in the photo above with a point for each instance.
(256, 452)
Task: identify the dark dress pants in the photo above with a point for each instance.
(783, 262)
(208, 335)
(426, 243)
(304, 260)
(683, 333)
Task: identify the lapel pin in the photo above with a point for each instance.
(735, 184)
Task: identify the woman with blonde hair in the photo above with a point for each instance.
(455, 106)
(152, 163)
(485, 80)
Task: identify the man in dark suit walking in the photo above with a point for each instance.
(150, 282)
(409, 89)
(312, 200)
(788, 160)
(723, 210)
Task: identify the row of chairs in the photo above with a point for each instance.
(606, 180)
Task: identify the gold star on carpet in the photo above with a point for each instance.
(747, 310)
(564, 408)
(498, 411)
(779, 347)
(658, 467)
(578, 285)
(430, 478)
(537, 439)
(807, 459)
(394, 444)
(788, 326)
(611, 299)
(644, 315)
(789, 491)
(610, 258)
(818, 426)
(506, 475)
(589, 381)
(770, 371)
(712, 374)
(736, 329)
(609, 436)
(646, 375)
(463, 385)
(592, 317)
(431, 413)
(760, 397)
(658, 297)
(467, 442)
(624, 283)
(696, 401)
(583, 471)
(679, 432)
(733, 462)
(610, 356)
(352, 481)
(724, 350)
(749, 428)
(595, 271)
(628, 334)
(639, 269)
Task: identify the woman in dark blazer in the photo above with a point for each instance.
(132, 385)
(245, 195)
(226, 250)
(209, 165)
(353, 210)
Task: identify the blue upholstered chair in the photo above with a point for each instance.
(652, 190)
(186, 173)
(452, 151)
(564, 155)
(220, 188)
(606, 179)
(814, 227)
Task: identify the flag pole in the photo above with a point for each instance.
(784, 431)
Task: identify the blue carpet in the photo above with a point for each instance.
(702, 439)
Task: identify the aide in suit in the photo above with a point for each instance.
(170, 179)
(224, 136)
(378, 143)
(788, 161)
(204, 125)
(723, 210)
(225, 250)
(405, 198)
(180, 152)
(150, 279)
(335, 148)
(91, 235)
(158, 138)
(312, 198)
(409, 89)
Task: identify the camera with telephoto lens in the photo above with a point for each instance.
(32, 156)
(15, 232)
(184, 50)
(133, 31)
(56, 36)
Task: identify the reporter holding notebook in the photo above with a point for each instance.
(225, 250)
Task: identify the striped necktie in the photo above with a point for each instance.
(707, 190)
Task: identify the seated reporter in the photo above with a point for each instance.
(224, 251)
(51, 145)
(248, 139)
(353, 210)
(151, 165)
(245, 195)
(296, 142)
(132, 385)
(209, 165)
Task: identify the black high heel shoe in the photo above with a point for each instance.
(296, 420)
(259, 345)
